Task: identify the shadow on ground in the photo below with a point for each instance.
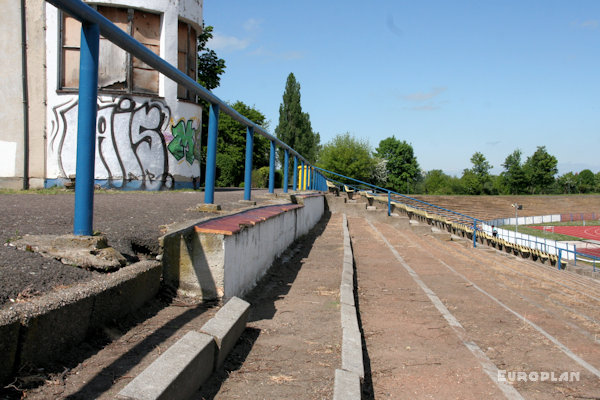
(273, 286)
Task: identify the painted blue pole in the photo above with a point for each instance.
(302, 175)
(295, 176)
(86, 130)
(248, 166)
(475, 233)
(272, 168)
(389, 203)
(286, 167)
(211, 154)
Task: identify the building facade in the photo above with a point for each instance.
(148, 127)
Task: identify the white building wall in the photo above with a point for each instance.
(143, 141)
(11, 95)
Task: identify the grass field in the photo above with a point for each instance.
(541, 234)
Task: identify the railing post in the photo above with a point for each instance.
(575, 253)
(272, 168)
(211, 154)
(86, 131)
(295, 176)
(248, 166)
(559, 258)
(302, 175)
(286, 167)
(389, 203)
(475, 233)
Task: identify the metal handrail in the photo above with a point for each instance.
(94, 24)
(384, 190)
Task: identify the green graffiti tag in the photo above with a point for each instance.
(183, 141)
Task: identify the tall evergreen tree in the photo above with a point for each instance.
(294, 126)
(513, 177)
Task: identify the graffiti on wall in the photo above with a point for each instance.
(184, 141)
(133, 142)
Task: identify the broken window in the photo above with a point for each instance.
(186, 57)
(118, 71)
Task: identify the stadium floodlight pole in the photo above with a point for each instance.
(517, 207)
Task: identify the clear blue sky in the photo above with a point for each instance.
(449, 77)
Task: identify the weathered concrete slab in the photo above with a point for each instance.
(82, 251)
(203, 207)
(335, 203)
(48, 333)
(441, 235)
(177, 373)
(51, 324)
(227, 326)
(125, 292)
(419, 227)
(399, 221)
(346, 386)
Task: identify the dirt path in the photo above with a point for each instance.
(523, 317)
(291, 346)
(413, 351)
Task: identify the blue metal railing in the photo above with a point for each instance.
(415, 203)
(94, 25)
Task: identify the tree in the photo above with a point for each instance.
(348, 156)
(513, 177)
(567, 183)
(476, 180)
(540, 169)
(210, 66)
(436, 182)
(231, 146)
(210, 69)
(402, 166)
(586, 181)
(294, 126)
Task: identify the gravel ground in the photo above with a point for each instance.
(131, 221)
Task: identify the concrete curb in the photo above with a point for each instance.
(346, 386)
(177, 373)
(38, 331)
(226, 327)
(186, 365)
(348, 379)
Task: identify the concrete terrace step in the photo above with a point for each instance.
(226, 256)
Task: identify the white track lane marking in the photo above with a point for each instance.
(538, 328)
(488, 366)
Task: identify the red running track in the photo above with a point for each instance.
(584, 232)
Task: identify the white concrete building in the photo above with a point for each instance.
(148, 128)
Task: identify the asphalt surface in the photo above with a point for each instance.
(131, 221)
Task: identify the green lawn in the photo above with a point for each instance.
(568, 223)
(541, 234)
